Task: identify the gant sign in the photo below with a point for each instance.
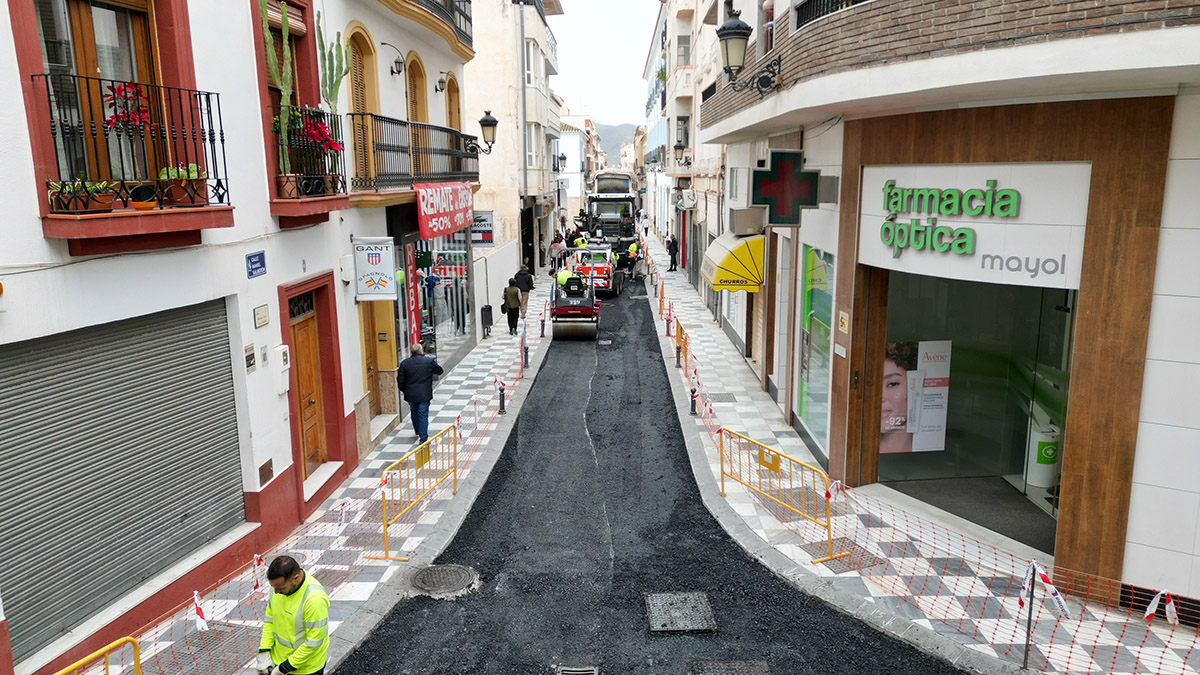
(1020, 224)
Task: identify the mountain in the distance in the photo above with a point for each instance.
(611, 138)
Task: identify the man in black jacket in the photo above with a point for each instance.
(525, 283)
(415, 378)
(673, 249)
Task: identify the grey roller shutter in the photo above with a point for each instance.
(118, 456)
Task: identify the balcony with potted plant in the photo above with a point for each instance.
(136, 166)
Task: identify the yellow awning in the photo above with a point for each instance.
(733, 263)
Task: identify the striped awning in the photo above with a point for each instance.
(733, 263)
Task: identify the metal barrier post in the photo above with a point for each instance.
(502, 410)
(678, 352)
(721, 449)
(1029, 623)
(542, 319)
(525, 353)
(693, 400)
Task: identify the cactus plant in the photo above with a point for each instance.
(334, 67)
(282, 76)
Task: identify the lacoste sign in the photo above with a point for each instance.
(1019, 224)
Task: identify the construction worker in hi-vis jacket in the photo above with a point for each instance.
(295, 636)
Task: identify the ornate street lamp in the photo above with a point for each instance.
(679, 147)
(487, 124)
(734, 35)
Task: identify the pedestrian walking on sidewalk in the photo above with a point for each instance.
(524, 282)
(673, 249)
(512, 305)
(295, 635)
(415, 380)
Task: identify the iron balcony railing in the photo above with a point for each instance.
(457, 13)
(392, 154)
(130, 145)
(309, 152)
(814, 9)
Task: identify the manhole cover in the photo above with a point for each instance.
(730, 668)
(679, 612)
(721, 397)
(567, 670)
(445, 580)
(603, 342)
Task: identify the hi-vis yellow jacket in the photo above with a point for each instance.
(296, 629)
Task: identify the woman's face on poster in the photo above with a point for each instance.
(894, 411)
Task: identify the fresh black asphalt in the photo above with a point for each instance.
(591, 506)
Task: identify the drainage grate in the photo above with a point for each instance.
(217, 651)
(603, 343)
(721, 397)
(679, 612)
(567, 670)
(729, 668)
(444, 579)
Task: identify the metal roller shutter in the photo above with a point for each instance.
(118, 456)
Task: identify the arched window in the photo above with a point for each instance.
(363, 93)
(418, 115)
(453, 103)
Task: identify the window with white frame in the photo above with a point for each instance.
(683, 50)
(683, 128)
(533, 144)
(532, 60)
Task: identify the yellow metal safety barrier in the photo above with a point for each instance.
(106, 652)
(411, 478)
(791, 484)
(681, 342)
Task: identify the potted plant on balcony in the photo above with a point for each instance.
(286, 182)
(320, 150)
(185, 185)
(79, 196)
(334, 68)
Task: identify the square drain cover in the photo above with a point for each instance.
(679, 612)
(721, 397)
(729, 668)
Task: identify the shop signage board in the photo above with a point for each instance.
(785, 188)
(410, 290)
(1017, 224)
(483, 228)
(374, 268)
(444, 208)
(916, 400)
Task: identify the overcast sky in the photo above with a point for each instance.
(602, 47)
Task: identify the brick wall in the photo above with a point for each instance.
(889, 31)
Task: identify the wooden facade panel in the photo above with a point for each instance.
(1126, 142)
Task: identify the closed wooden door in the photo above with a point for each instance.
(370, 360)
(307, 362)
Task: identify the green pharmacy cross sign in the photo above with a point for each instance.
(785, 188)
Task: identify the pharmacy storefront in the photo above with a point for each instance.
(995, 272)
(982, 264)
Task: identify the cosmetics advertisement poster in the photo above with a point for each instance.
(916, 388)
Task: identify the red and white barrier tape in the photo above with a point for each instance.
(1050, 588)
(201, 620)
(1171, 610)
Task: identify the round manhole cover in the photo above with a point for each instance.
(444, 579)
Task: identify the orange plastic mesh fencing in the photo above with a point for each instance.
(966, 586)
(336, 546)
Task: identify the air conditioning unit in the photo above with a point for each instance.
(687, 199)
(747, 221)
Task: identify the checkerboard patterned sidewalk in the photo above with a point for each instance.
(933, 577)
(350, 528)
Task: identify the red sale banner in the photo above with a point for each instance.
(443, 208)
(411, 290)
